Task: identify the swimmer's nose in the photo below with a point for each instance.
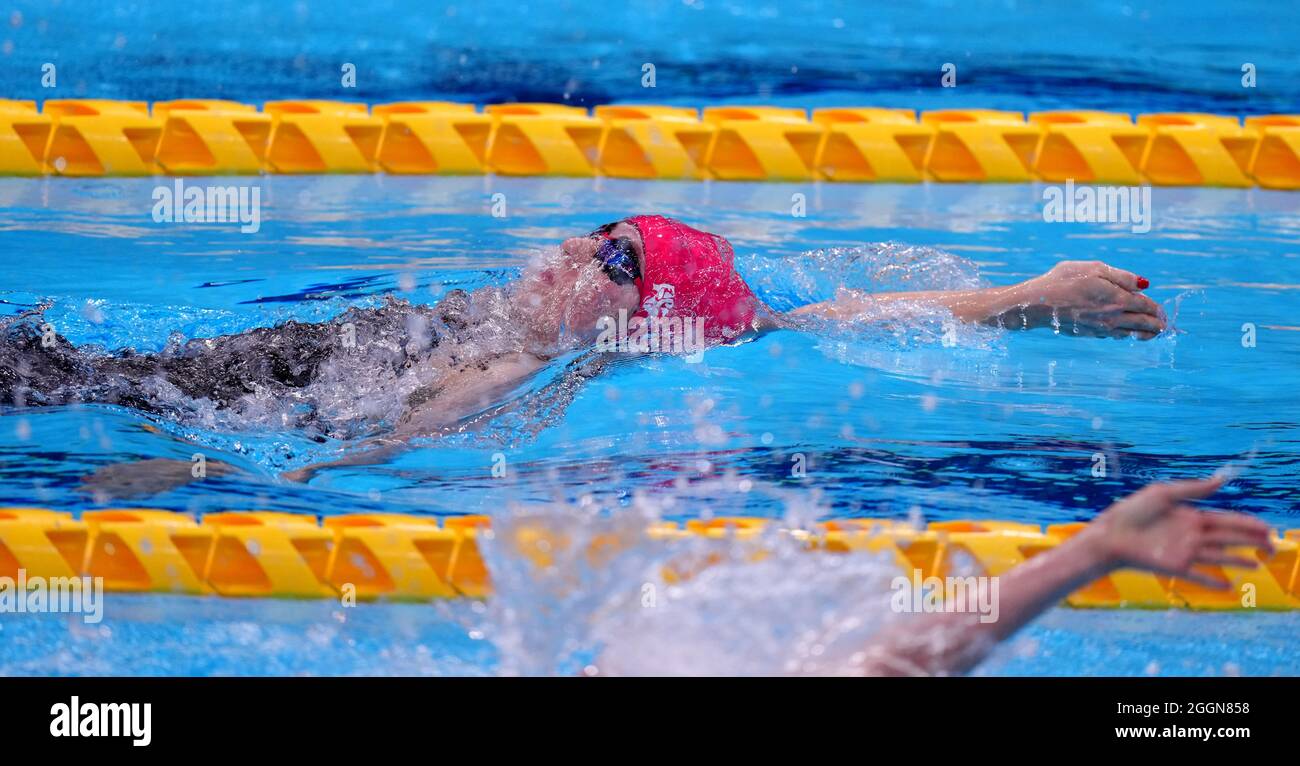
(579, 248)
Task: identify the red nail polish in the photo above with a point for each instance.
(1143, 283)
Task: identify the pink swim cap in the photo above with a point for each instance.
(690, 273)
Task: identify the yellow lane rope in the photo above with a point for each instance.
(98, 137)
(394, 556)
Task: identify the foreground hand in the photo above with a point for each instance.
(1155, 529)
(1091, 299)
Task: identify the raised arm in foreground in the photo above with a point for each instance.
(1154, 529)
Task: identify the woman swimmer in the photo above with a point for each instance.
(451, 362)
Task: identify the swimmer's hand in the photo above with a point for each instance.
(1157, 530)
(1086, 298)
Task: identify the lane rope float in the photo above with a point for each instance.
(407, 557)
(100, 137)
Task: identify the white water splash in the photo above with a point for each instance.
(816, 275)
(578, 590)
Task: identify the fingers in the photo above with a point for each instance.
(1240, 522)
(1225, 532)
(1235, 529)
(1134, 322)
(1141, 317)
(1125, 279)
(1221, 558)
(1139, 334)
(1141, 304)
(1190, 489)
(1238, 540)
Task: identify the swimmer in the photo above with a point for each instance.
(1155, 529)
(451, 365)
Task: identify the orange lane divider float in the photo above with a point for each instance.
(1276, 161)
(664, 142)
(1090, 147)
(24, 135)
(421, 137)
(543, 140)
(208, 137)
(762, 143)
(98, 137)
(406, 557)
(1198, 150)
(981, 145)
(872, 145)
(322, 137)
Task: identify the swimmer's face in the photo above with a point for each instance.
(567, 293)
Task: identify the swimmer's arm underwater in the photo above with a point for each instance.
(459, 395)
(1086, 298)
(1154, 529)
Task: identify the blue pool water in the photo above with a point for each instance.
(1000, 426)
(177, 635)
(1005, 425)
(1126, 55)
(889, 422)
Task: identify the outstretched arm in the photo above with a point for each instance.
(1154, 529)
(1085, 298)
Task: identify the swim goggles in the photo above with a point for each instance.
(616, 256)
